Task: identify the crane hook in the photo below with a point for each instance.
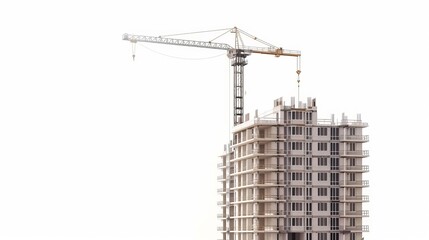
(133, 49)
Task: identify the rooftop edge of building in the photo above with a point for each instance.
(272, 117)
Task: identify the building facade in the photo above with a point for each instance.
(288, 175)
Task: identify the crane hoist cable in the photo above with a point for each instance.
(298, 72)
(133, 50)
(181, 58)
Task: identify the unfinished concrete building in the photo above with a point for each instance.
(288, 175)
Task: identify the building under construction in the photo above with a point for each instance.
(291, 176)
(286, 175)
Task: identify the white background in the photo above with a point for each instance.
(96, 146)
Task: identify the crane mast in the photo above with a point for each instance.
(237, 54)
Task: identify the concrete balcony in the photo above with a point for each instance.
(260, 168)
(295, 213)
(270, 213)
(222, 203)
(260, 215)
(294, 228)
(257, 122)
(268, 151)
(221, 165)
(271, 182)
(361, 168)
(268, 228)
(221, 178)
(270, 167)
(296, 167)
(264, 198)
(269, 137)
(359, 228)
(270, 197)
(259, 138)
(361, 213)
(258, 152)
(295, 137)
(298, 198)
(348, 183)
(360, 198)
(261, 184)
(356, 154)
(353, 123)
(354, 138)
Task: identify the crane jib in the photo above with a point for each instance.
(173, 41)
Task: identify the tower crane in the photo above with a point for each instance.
(236, 53)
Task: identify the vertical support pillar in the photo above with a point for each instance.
(238, 62)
